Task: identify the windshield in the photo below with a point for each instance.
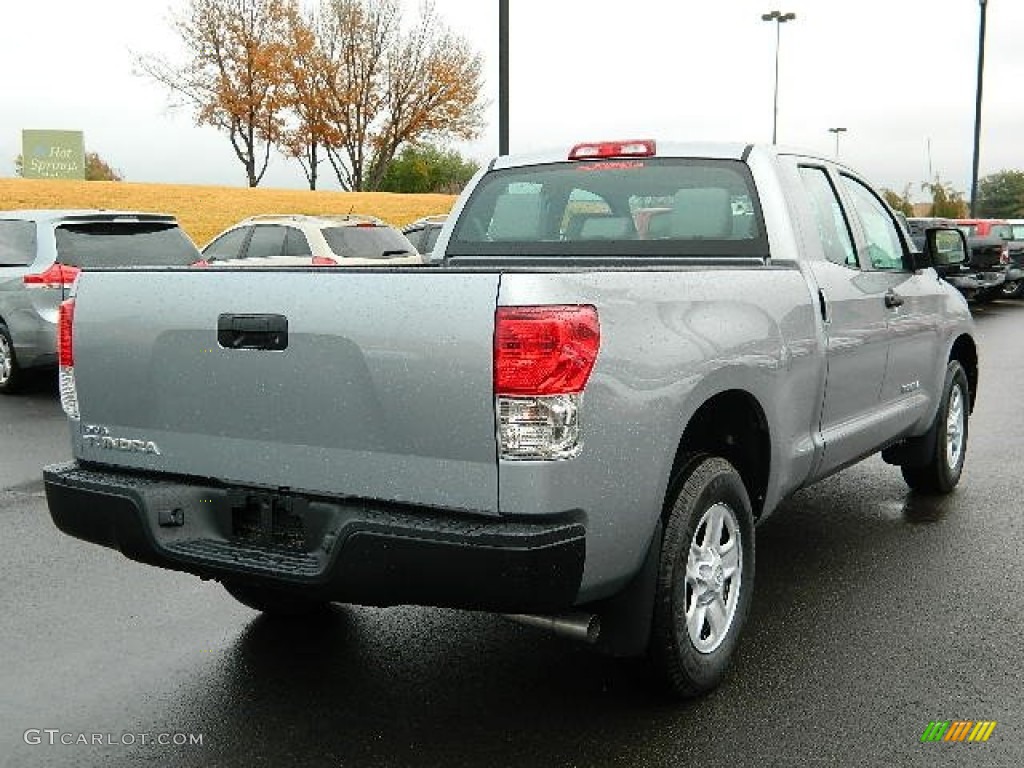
(372, 242)
(622, 207)
(124, 244)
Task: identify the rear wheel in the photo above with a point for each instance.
(11, 375)
(948, 438)
(274, 602)
(705, 577)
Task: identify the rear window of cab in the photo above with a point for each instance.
(617, 207)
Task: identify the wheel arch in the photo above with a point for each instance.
(731, 424)
(965, 351)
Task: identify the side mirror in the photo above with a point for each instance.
(945, 246)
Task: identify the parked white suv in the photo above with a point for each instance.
(302, 240)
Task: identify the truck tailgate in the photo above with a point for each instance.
(384, 390)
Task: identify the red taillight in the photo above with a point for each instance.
(57, 276)
(600, 149)
(65, 339)
(323, 261)
(544, 350)
(200, 263)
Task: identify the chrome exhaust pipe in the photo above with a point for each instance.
(578, 626)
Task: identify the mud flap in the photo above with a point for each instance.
(627, 616)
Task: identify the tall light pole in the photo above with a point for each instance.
(779, 18)
(502, 77)
(837, 131)
(977, 110)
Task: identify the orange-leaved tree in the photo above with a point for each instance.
(234, 72)
(947, 202)
(309, 78)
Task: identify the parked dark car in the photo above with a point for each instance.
(1016, 245)
(964, 277)
(41, 254)
(423, 233)
(989, 243)
(1013, 236)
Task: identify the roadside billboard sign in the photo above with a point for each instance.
(52, 154)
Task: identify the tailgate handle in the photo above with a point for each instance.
(252, 331)
(893, 299)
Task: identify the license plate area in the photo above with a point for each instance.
(270, 520)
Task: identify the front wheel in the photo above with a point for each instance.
(273, 602)
(705, 577)
(947, 438)
(986, 295)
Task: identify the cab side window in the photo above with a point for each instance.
(833, 228)
(882, 240)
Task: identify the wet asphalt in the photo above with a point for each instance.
(875, 612)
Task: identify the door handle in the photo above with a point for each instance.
(893, 299)
(252, 331)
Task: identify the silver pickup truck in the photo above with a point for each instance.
(628, 354)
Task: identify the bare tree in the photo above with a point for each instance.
(392, 87)
(433, 92)
(234, 73)
(354, 35)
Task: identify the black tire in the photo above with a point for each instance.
(947, 442)
(987, 295)
(11, 374)
(708, 486)
(1012, 289)
(274, 602)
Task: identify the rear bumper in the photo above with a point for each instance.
(333, 549)
(991, 279)
(963, 282)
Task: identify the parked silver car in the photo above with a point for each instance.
(577, 426)
(41, 254)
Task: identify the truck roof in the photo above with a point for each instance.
(704, 149)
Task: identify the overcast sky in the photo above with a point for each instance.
(899, 75)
